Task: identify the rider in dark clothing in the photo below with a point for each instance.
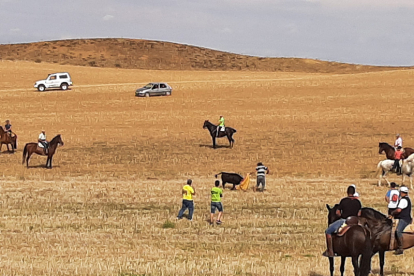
(348, 206)
(403, 213)
(8, 127)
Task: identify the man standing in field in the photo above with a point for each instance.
(187, 192)
(398, 142)
(216, 195)
(403, 213)
(392, 197)
(348, 206)
(261, 172)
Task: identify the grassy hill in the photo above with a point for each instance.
(157, 55)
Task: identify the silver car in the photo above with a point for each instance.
(154, 89)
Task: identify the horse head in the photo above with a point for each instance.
(332, 216)
(57, 140)
(206, 123)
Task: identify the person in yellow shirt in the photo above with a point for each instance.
(187, 192)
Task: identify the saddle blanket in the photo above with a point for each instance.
(40, 145)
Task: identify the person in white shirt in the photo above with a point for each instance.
(398, 141)
(43, 143)
(392, 197)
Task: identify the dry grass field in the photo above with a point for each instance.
(108, 206)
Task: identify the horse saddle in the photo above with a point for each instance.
(222, 129)
(349, 222)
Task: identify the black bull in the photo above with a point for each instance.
(232, 178)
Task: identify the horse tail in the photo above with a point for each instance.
(379, 168)
(216, 175)
(24, 153)
(365, 267)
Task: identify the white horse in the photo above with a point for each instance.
(407, 168)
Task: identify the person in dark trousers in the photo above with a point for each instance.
(261, 171)
(348, 206)
(216, 195)
(397, 157)
(187, 192)
(403, 213)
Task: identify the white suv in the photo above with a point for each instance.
(56, 80)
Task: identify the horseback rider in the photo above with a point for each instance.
(398, 155)
(398, 142)
(348, 206)
(43, 143)
(403, 213)
(8, 128)
(220, 126)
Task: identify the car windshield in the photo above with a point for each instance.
(149, 85)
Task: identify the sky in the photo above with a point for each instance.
(375, 32)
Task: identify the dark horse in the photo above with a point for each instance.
(6, 139)
(213, 132)
(380, 227)
(390, 151)
(31, 148)
(354, 243)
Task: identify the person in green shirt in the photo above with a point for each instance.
(221, 125)
(216, 195)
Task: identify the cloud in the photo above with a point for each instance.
(226, 30)
(15, 30)
(108, 17)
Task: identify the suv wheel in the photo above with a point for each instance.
(41, 88)
(64, 86)
(168, 93)
(147, 95)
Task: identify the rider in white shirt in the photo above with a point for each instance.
(43, 143)
(398, 141)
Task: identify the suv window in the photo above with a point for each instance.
(52, 78)
(155, 86)
(163, 85)
(63, 76)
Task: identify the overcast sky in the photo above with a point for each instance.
(375, 32)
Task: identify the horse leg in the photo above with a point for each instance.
(28, 157)
(355, 264)
(214, 141)
(50, 162)
(224, 183)
(381, 255)
(342, 269)
(331, 265)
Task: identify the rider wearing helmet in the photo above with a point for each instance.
(220, 125)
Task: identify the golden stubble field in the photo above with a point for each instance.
(116, 183)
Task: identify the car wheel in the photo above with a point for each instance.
(64, 86)
(41, 88)
(147, 95)
(168, 93)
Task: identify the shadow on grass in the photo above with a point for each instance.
(41, 167)
(315, 274)
(211, 146)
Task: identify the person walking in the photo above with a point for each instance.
(348, 206)
(187, 193)
(216, 195)
(398, 141)
(403, 213)
(392, 197)
(261, 171)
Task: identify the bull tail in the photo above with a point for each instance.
(216, 175)
(24, 153)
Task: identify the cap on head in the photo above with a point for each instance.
(353, 185)
(189, 181)
(404, 189)
(356, 194)
(398, 135)
(393, 184)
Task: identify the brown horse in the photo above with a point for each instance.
(380, 227)
(390, 151)
(6, 139)
(354, 243)
(31, 148)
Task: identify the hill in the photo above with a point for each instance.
(157, 55)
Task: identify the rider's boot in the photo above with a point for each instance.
(399, 250)
(329, 250)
